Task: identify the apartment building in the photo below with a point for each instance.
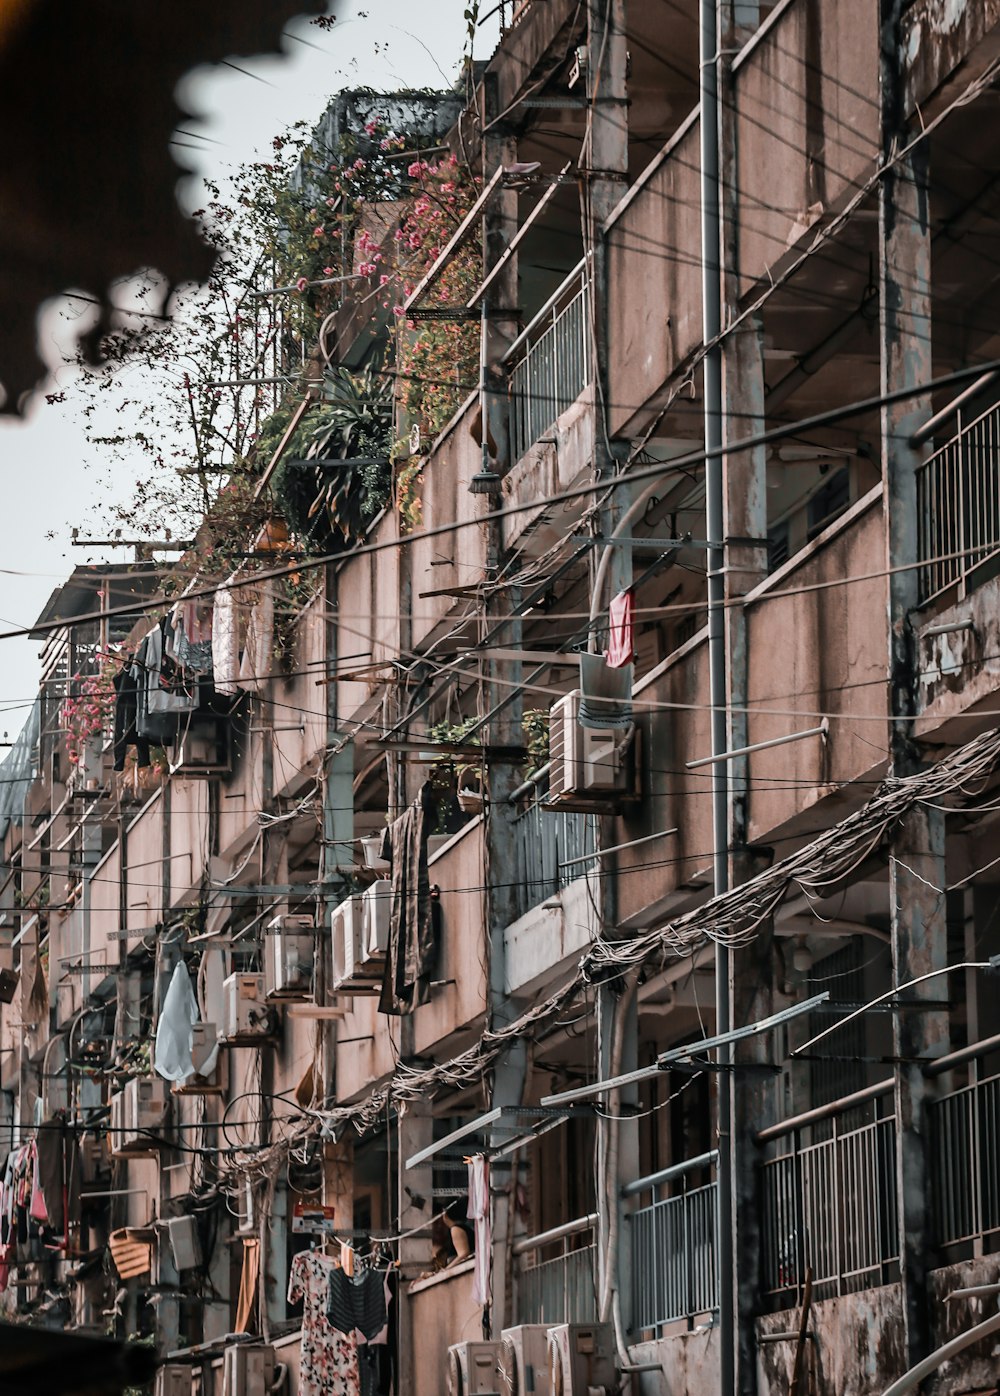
(612, 838)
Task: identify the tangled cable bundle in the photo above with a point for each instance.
(730, 919)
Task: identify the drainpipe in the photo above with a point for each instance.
(711, 288)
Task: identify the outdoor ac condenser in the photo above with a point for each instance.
(585, 762)
(524, 1360)
(173, 1379)
(354, 970)
(290, 952)
(582, 1359)
(249, 1369)
(246, 1018)
(473, 1369)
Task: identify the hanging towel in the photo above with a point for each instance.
(621, 638)
(605, 693)
(248, 1285)
(174, 1038)
(226, 640)
(479, 1213)
(258, 652)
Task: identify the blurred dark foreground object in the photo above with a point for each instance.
(87, 181)
(42, 1362)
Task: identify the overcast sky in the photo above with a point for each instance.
(384, 44)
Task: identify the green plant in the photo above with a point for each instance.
(535, 722)
(447, 770)
(320, 499)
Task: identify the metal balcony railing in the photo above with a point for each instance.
(552, 362)
(830, 1202)
(674, 1274)
(958, 504)
(964, 1138)
(555, 1274)
(553, 847)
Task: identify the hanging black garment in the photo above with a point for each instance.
(412, 948)
(357, 1302)
(126, 714)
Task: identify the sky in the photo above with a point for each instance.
(48, 490)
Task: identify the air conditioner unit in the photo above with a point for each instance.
(249, 1369)
(173, 1379)
(586, 763)
(185, 1245)
(376, 911)
(524, 1360)
(141, 1108)
(209, 1063)
(582, 1359)
(473, 1369)
(354, 970)
(246, 1018)
(290, 952)
(202, 750)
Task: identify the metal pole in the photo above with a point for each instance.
(711, 287)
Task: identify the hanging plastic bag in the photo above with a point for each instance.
(174, 1038)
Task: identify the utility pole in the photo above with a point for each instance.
(711, 289)
(917, 853)
(502, 677)
(750, 986)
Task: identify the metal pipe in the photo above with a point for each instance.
(544, 1238)
(941, 1355)
(931, 425)
(668, 1175)
(963, 1054)
(615, 848)
(821, 731)
(825, 1112)
(711, 290)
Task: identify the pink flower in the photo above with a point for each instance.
(370, 128)
(331, 201)
(328, 271)
(302, 283)
(383, 279)
(414, 170)
(397, 310)
(317, 232)
(359, 164)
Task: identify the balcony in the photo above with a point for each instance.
(554, 848)
(552, 362)
(829, 1194)
(958, 508)
(965, 1156)
(674, 1275)
(555, 1274)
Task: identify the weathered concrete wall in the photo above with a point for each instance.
(819, 648)
(808, 124)
(857, 1349)
(677, 798)
(655, 279)
(689, 1364)
(442, 1314)
(543, 944)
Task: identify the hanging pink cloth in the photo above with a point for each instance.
(621, 639)
(37, 1210)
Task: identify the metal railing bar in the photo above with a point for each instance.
(948, 411)
(667, 1175)
(556, 1233)
(963, 1054)
(825, 1112)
